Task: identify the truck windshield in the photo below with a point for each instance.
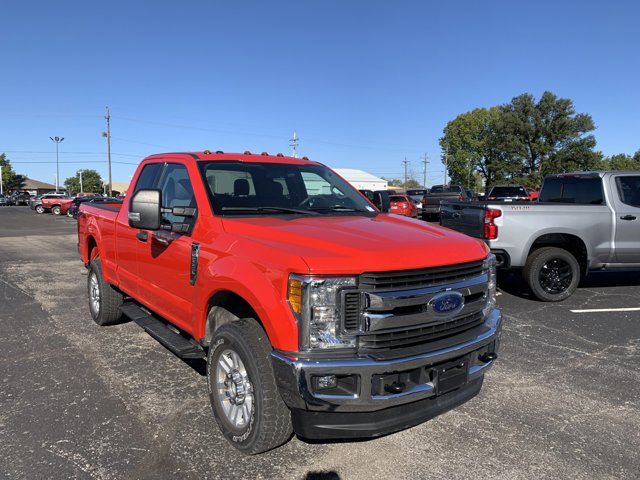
(508, 192)
(243, 188)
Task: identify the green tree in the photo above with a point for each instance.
(622, 161)
(8, 175)
(473, 143)
(548, 136)
(91, 182)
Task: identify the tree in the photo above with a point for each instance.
(472, 143)
(548, 136)
(409, 184)
(622, 161)
(8, 175)
(91, 182)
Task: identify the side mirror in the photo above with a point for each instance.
(145, 210)
(381, 200)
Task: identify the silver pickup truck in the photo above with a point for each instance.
(582, 221)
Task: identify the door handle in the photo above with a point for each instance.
(628, 217)
(142, 236)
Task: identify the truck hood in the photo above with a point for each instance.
(356, 244)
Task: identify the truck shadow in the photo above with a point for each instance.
(513, 284)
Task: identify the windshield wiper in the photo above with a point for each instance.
(339, 208)
(269, 209)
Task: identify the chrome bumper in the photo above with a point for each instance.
(294, 376)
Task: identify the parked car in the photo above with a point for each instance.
(56, 204)
(533, 194)
(403, 205)
(441, 193)
(4, 201)
(311, 318)
(417, 195)
(75, 205)
(20, 198)
(582, 222)
(508, 193)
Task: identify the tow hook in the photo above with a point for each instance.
(488, 357)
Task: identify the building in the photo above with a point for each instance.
(36, 187)
(361, 179)
(119, 187)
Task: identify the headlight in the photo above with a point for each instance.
(490, 266)
(315, 302)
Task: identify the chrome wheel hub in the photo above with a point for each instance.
(233, 389)
(94, 293)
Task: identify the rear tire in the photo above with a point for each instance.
(244, 396)
(552, 273)
(104, 300)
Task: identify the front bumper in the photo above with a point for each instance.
(366, 412)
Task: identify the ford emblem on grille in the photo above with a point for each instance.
(447, 303)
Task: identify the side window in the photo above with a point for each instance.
(629, 190)
(148, 176)
(176, 192)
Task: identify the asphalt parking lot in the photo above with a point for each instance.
(81, 401)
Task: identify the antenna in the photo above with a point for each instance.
(294, 144)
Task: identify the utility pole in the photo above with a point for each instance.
(57, 141)
(294, 144)
(1, 191)
(107, 134)
(446, 163)
(405, 163)
(425, 160)
(80, 173)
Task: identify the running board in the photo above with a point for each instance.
(163, 333)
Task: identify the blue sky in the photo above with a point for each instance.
(364, 83)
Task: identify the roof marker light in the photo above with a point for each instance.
(305, 158)
(207, 152)
(279, 155)
(247, 152)
(219, 151)
(264, 153)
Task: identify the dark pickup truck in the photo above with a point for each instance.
(438, 194)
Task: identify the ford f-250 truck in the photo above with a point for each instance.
(288, 281)
(581, 221)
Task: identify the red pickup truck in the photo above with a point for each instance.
(56, 204)
(290, 284)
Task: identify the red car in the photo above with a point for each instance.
(290, 285)
(533, 194)
(57, 205)
(403, 205)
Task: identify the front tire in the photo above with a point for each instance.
(552, 273)
(39, 209)
(104, 300)
(242, 387)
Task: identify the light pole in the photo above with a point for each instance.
(57, 141)
(1, 191)
(80, 173)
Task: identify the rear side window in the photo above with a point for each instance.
(629, 190)
(148, 176)
(576, 190)
(508, 192)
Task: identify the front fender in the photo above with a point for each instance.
(261, 287)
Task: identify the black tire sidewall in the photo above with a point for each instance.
(539, 261)
(95, 269)
(227, 337)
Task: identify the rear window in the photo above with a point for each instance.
(577, 190)
(397, 198)
(629, 190)
(508, 192)
(415, 193)
(442, 189)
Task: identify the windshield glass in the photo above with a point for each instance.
(239, 188)
(508, 192)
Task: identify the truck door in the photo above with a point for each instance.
(164, 260)
(128, 239)
(626, 197)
